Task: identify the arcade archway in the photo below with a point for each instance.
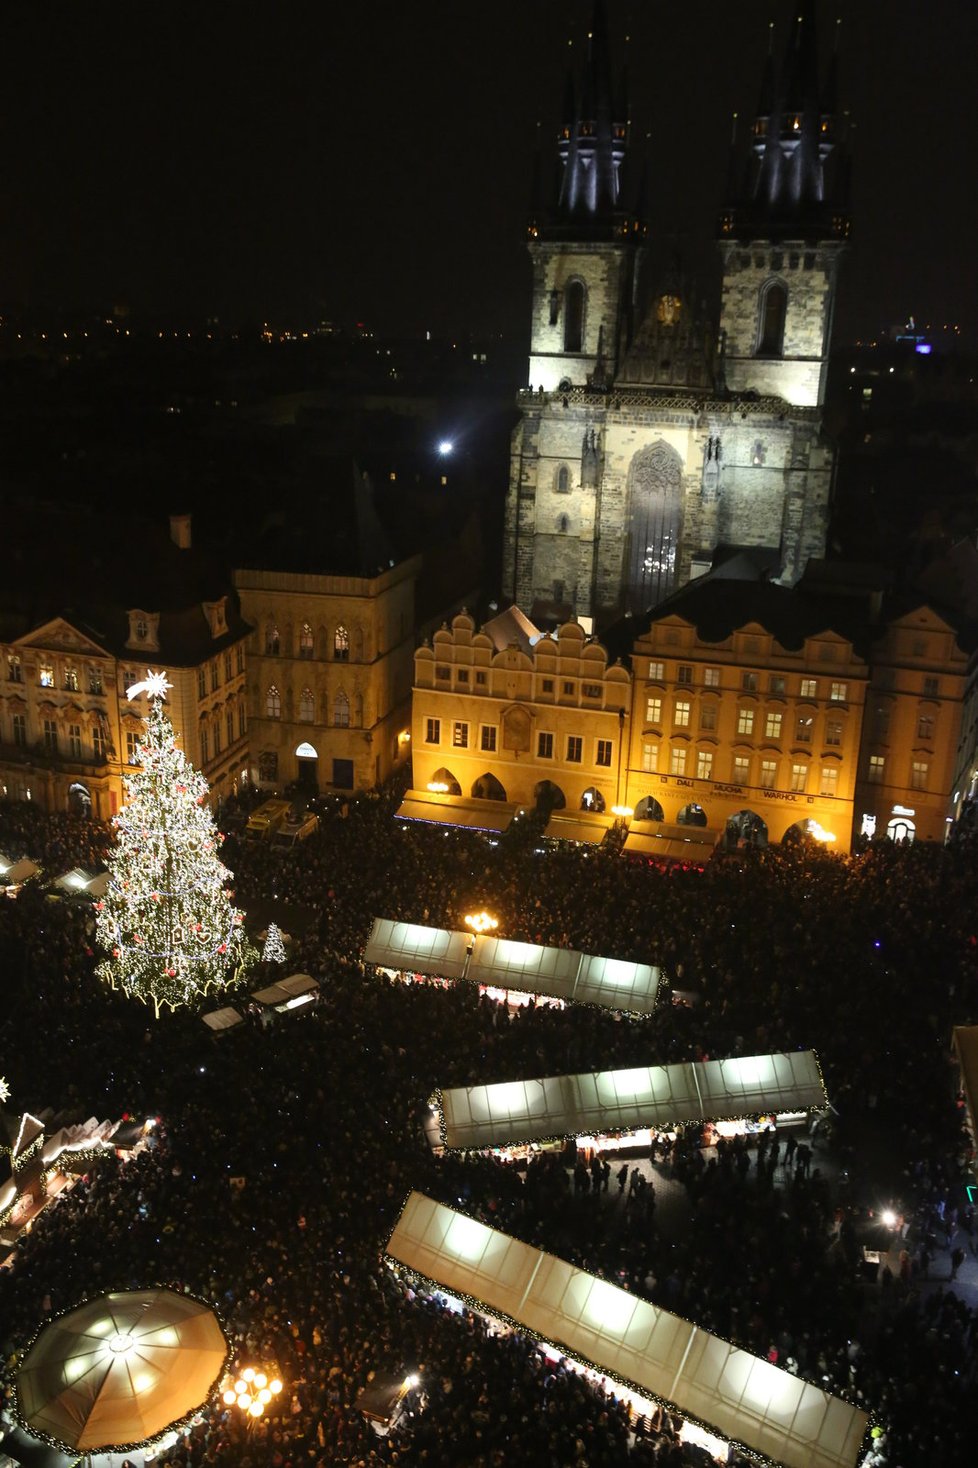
(649, 809)
(744, 829)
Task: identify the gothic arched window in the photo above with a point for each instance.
(273, 703)
(562, 480)
(574, 317)
(307, 706)
(341, 644)
(563, 524)
(271, 639)
(655, 494)
(341, 711)
(306, 646)
(773, 308)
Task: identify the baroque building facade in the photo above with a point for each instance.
(73, 642)
(650, 434)
(330, 662)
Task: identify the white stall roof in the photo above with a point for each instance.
(625, 1100)
(12, 873)
(411, 947)
(577, 828)
(671, 843)
(222, 1019)
(740, 1396)
(455, 810)
(563, 973)
(283, 990)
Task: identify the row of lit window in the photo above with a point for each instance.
(701, 763)
(51, 738)
(747, 719)
(307, 643)
(573, 750)
(71, 680)
(568, 688)
(307, 707)
(214, 677)
(210, 733)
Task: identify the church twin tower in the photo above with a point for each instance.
(652, 438)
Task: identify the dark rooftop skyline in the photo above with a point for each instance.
(375, 162)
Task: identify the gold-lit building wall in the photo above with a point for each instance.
(330, 660)
(68, 732)
(908, 766)
(497, 723)
(746, 725)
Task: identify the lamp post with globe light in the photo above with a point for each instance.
(251, 1392)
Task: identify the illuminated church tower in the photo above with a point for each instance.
(652, 439)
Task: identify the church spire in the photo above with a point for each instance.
(787, 191)
(591, 147)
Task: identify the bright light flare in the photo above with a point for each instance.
(445, 447)
(481, 922)
(888, 1218)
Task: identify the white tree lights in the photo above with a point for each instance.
(167, 923)
(274, 949)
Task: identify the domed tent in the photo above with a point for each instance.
(119, 1370)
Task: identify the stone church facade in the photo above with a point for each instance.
(652, 436)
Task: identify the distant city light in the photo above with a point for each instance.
(923, 349)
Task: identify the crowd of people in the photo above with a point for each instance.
(867, 959)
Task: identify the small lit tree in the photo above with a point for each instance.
(167, 923)
(274, 949)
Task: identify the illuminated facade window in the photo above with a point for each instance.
(799, 778)
(809, 687)
(307, 706)
(45, 675)
(919, 770)
(745, 721)
(71, 679)
(828, 780)
(487, 738)
(876, 769)
(132, 747)
(273, 703)
(704, 764)
(432, 731)
(98, 742)
(575, 749)
(838, 692)
(656, 672)
(769, 774)
(341, 644)
(306, 644)
(460, 734)
(711, 677)
(272, 640)
(677, 761)
(772, 726)
(653, 710)
(650, 758)
(803, 729)
(14, 670)
(741, 769)
(681, 715)
(833, 733)
(94, 679)
(545, 746)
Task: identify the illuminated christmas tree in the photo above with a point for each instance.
(167, 922)
(274, 949)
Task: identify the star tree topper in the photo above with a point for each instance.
(154, 685)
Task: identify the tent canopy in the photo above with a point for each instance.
(455, 810)
(12, 873)
(222, 1019)
(120, 1369)
(624, 1100)
(413, 947)
(279, 994)
(738, 1395)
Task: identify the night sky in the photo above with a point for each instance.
(373, 160)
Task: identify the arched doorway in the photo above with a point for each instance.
(901, 828)
(592, 799)
(549, 796)
(649, 809)
(308, 762)
(443, 782)
(744, 829)
(655, 503)
(692, 815)
(79, 800)
(487, 787)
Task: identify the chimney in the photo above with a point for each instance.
(180, 531)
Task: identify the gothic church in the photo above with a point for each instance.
(650, 438)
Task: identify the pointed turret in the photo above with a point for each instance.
(591, 147)
(793, 134)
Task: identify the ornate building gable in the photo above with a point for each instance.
(60, 636)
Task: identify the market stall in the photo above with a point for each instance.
(440, 809)
(624, 1101)
(742, 1397)
(284, 995)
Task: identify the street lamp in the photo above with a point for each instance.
(252, 1392)
(481, 922)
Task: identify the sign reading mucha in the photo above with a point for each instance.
(516, 729)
